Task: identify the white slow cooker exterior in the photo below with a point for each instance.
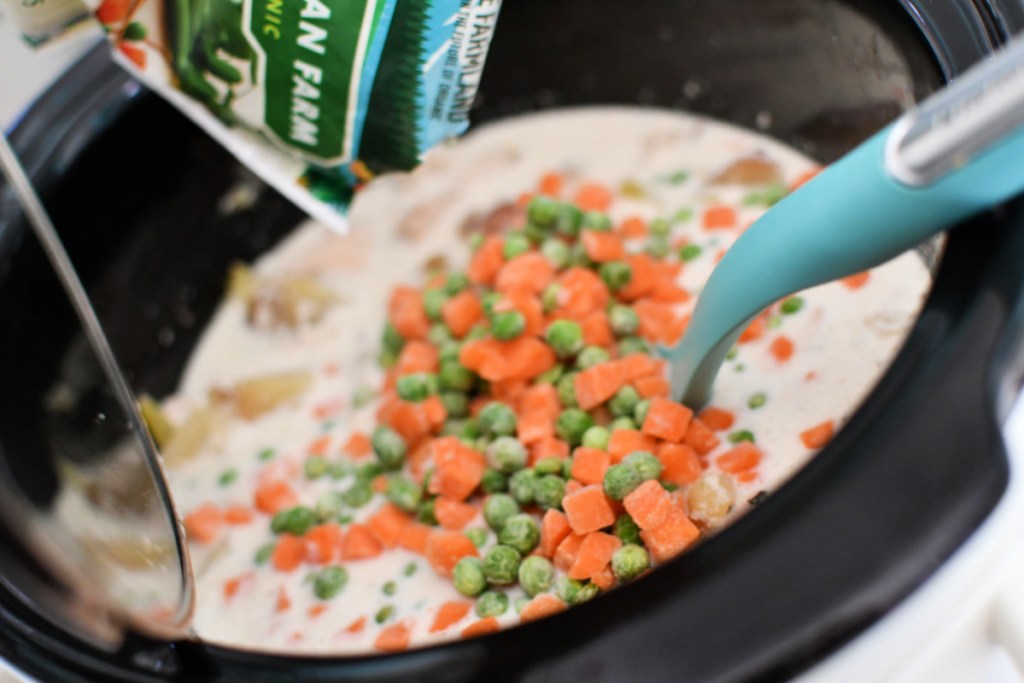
(966, 624)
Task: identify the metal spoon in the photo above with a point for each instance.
(959, 152)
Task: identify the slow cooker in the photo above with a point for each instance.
(916, 471)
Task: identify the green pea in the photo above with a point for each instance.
(646, 464)
(501, 565)
(507, 454)
(339, 470)
(315, 467)
(659, 227)
(476, 240)
(624, 402)
(478, 535)
(623, 320)
(520, 532)
(358, 495)
(389, 447)
(491, 604)
(425, 513)
(550, 465)
(622, 423)
(791, 305)
(494, 481)
(433, 301)
(516, 244)
(455, 283)
(556, 251)
(757, 400)
(498, 508)
(508, 325)
(572, 423)
(488, 301)
(620, 480)
(616, 274)
(534, 232)
(384, 614)
(454, 376)
(657, 247)
(496, 419)
(410, 569)
(597, 221)
(551, 376)
(567, 390)
(366, 472)
(578, 256)
(549, 297)
(522, 485)
(591, 356)
(536, 575)
(732, 353)
(297, 520)
(521, 602)
(389, 588)
(549, 491)
(596, 437)
(631, 345)
(689, 252)
(468, 576)
(404, 493)
(682, 215)
(629, 562)
(587, 592)
(135, 31)
(565, 338)
(416, 386)
(566, 588)
(329, 505)
(391, 340)
(568, 220)
(263, 554)
(362, 397)
(741, 435)
(387, 359)
(455, 404)
(626, 529)
(640, 411)
(543, 211)
(328, 582)
(478, 331)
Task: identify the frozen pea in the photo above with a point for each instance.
(508, 325)
(631, 345)
(404, 493)
(626, 529)
(623, 320)
(549, 491)
(565, 588)
(587, 592)
(328, 582)
(565, 337)
(616, 274)
(622, 423)
(316, 467)
(596, 437)
(507, 454)
(567, 390)
(629, 562)
(496, 419)
(498, 508)
(550, 465)
(297, 521)
(494, 481)
(571, 425)
(478, 535)
(491, 604)
(620, 480)
(522, 485)
(520, 532)
(501, 565)
(416, 386)
(516, 244)
(389, 447)
(468, 576)
(640, 410)
(455, 404)
(624, 402)
(453, 376)
(591, 356)
(536, 575)
(646, 464)
(556, 251)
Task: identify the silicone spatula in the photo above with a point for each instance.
(959, 152)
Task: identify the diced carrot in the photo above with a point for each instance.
(332, 406)
(667, 290)
(356, 626)
(550, 184)
(406, 313)
(602, 246)
(358, 445)
(394, 638)
(746, 477)
(856, 281)
(388, 523)
(459, 469)
(566, 551)
(804, 178)
(637, 365)
(544, 605)
(323, 543)
(414, 538)
(379, 484)
(232, 585)
(481, 627)
(284, 603)
(652, 386)
(782, 348)
(237, 514)
(524, 199)
(549, 447)
(360, 543)
(450, 613)
(112, 11)
(643, 279)
(531, 272)
(274, 495)
(508, 391)
(320, 445)
(588, 510)
(604, 579)
(135, 54)
(819, 435)
(317, 610)
(205, 523)
(417, 356)
(453, 514)
(593, 197)
(582, 291)
(572, 486)
(434, 410)
(590, 464)
(534, 427)
(411, 420)
(753, 331)
(742, 457)
(594, 555)
(461, 312)
(288, 553)
(700, 438)
(418, 459)
(648, 504)
(674, 535)
(446, 548)
(597, 384)
(487, 261)
(719, 217)
(680, 463)
(521, 358)
(667, 420)
(542, 398)
(717, 419)
(658, 321)
(554, 528)
(597, 331)
(625, 441)
(634, 226)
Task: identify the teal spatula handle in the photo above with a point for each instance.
(962, 151)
